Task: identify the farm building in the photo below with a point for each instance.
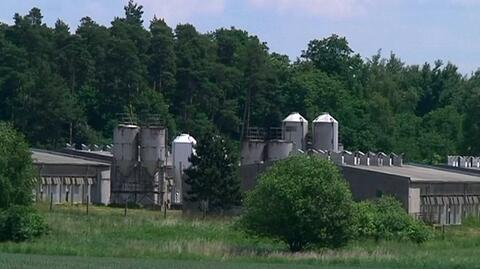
(433, 194)
(68, 178)
(436, 194)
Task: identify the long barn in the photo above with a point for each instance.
(433, 194)
(64, 178)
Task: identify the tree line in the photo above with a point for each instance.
(58, 85)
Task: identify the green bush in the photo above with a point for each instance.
(16, 168)
(385, 219)
(20, 223)
(303, 201)
(364, 216)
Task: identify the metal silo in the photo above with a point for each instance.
(153, 156)
(252, 152)
(182, 148)
(124, 166)
(125, 150)
(295, 129)
(278, 150)
(325, 133)
(153, 150)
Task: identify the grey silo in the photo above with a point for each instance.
(125, 149)
(152, 182)
(138, 173)
(278, 150)
(295, 129)
(325, 133)
(153, 149)
(252, 152)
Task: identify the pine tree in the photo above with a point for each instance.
(213, 177)
(162, 58)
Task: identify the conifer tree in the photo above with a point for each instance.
(213, 177)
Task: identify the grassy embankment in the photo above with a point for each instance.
(105, 232)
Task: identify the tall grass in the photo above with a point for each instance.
(105, 232)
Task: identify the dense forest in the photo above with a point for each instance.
(58, 85)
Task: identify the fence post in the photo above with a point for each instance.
(51, 201)
(88, 201)
(443, 232)
(126, 205)
(165, 210)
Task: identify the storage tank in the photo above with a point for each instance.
(278, 149)
(253, 151)
(325, 133)
(153, 151)
(182, 148)
(125, 150)
(295, 129)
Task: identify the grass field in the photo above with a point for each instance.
(29, 261)
(144, 239)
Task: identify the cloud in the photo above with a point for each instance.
(176, 11)
(325, 8)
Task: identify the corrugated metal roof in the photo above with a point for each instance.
(49, 157)
(325, 117)
(295, 117)
(421, 174)
(97, 152)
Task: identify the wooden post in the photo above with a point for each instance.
(51, 201)
(204, 209)
(443, 232)
(126, 205)
(88, 201)
(165, 210)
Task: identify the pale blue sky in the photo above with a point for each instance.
(416, 30)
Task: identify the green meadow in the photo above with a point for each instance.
(105, 238)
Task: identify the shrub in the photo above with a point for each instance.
(364, 216)
(20, 223)
(386, 219)
(301, 200)
(16, 168)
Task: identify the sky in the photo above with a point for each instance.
(417, 31)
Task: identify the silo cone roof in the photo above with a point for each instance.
(185, 138)
(295, 117)
(325, 117)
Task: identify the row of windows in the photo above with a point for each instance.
(65, 180)
(450, 200)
